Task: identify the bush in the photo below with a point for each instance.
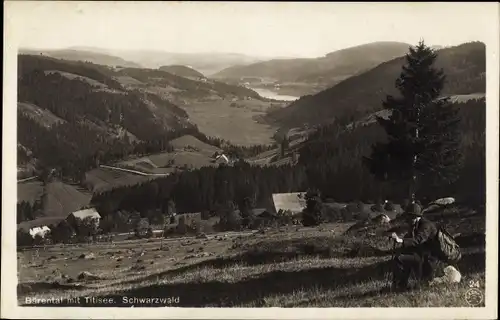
(62, 232)
(142, 228)
(24, 238)
(360, 205)
(311, 218)
(333, 214)
(149, 233)
(346, 214)
(312, 215)
(389, 206)
(205, 227)
(405, 203)
(363, 216)
(38, 240)
(378, 207)
(354, 208)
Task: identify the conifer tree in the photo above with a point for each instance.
(312, 215)
(422, 149)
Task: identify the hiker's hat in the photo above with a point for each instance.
(413, 209)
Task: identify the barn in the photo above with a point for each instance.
(293, 202)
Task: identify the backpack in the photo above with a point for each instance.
(447, 247)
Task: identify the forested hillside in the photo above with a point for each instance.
(323, 70)
(330, 160)
(180, 89)
(182, 71)
(464, 66)
(99, 120)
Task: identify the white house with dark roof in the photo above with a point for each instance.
(39, 231)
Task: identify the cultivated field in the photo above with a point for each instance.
(334, 265)
(234, 123)
(103, 178)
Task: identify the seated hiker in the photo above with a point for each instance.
(419, 252)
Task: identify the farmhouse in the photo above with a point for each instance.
(82, 214)
(293, 202)
(39, 226)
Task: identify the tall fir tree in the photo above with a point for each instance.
(423, 146)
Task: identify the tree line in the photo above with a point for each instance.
(330, 161)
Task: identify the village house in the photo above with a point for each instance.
(39, 231)
(73, 217)
(221, 159)
(40, 226)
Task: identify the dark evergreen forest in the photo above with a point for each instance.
(330, 160)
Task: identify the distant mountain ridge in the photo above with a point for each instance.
(207, 63)
(464, 65)
(83, 55)
(329, 68)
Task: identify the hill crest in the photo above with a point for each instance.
(464, 66)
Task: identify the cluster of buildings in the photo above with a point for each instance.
(41, 226)
(289, 203)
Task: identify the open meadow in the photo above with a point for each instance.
(235, 121)
(333, 265)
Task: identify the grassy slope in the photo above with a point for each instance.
(188, 152)
(308, 267)
(61, 196)
(102, 178)
(63, 199)
(189, 141)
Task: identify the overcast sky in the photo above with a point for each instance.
(261, 29)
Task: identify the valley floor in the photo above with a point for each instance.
(234, 121)
(290, 267)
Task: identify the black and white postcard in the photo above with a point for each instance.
(256, 160)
